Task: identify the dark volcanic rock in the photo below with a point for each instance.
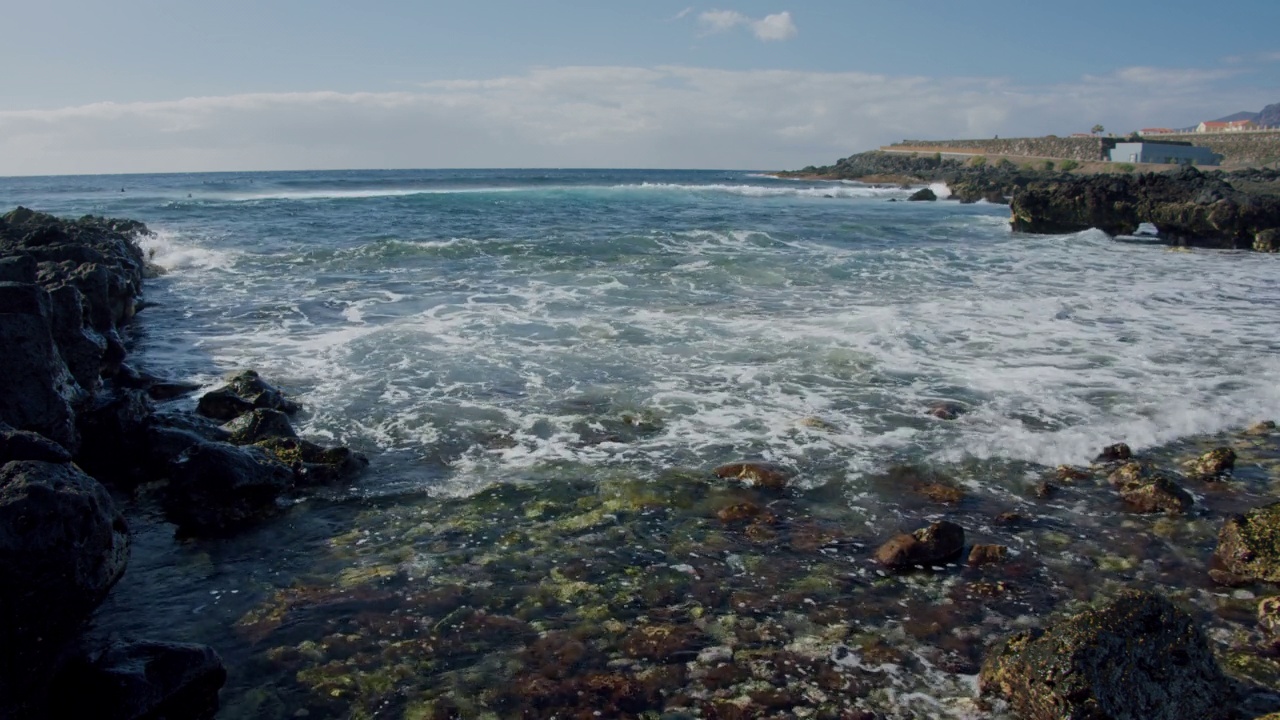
(63, 545)
(217, 487)
(1249, 545)
(1115, 453)
(1187, 206)
(113, 428)
(1146, 490)
(1134, 657)
(141, 680)
(36, 388)
(937, 544)
(26, 445)
(244, 392)
(313, 464)
(923, 194)
(259, 424)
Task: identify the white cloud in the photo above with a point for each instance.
(683, 13)
(778, 26)
(596, 117)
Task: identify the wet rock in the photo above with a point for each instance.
(947, 410)
(313, 464)
(1249, 545)
(83, 348)
(1157, 494)
(1045, 490)
(1266, 427)
(18, 269)
(26, 445)
(987, 554)
(217, 487)
(113, 428)
(1067, 473)
(665, 643)
(1269, 616)
(923, 194)
(139, 681)
(759, 474)
(1146, 490)
(1115, 453)
(63, 545)
(943, 493)
(223, 404)
(37, 390)
(937, 544)
(1136, 656)
(1267, 241)
(250, 386)
(257, 425)
(1212, 465)
(1010, 518)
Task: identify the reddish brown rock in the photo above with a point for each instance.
(987, 554)
(1115, 453)
(937, 544)
(947, 410)
(1068, 473)
(1212, 465)
(759, 474)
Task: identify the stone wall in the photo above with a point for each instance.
(1082, 149)
(1254, 148)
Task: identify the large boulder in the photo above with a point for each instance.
(244, 392)
(1136, 657)
(63, 544)
(1249, 547)
(26, 445)
(313, 464)
(217, 487)
(114, 434)
(259, 424)
(1146, 490)
(139, 681)
(36, 388)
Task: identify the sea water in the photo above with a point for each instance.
(484, 332)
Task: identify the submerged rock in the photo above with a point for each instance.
(987, 554)
(1249, 547)
(1148, 491)
(938, 544)
(141, 680)
(1136, 656)
(947, 410)
(760, 474)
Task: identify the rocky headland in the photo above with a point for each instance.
(81, 432)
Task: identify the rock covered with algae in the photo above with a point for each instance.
(1249, 546)
(1136, 656)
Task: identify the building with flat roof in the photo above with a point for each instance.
(1230, 126)
(1149, 152)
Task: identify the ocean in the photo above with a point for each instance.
(544, 364)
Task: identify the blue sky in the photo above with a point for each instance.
(133, 85)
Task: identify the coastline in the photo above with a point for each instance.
(739, 589)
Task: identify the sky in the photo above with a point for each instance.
(168, 86)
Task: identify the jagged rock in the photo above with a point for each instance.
(223, 404)
(1249, 547)
(18, 269)
(244, 392)
(113, 428)
(26, 445)
(938, 544)
(1136, 656)
(259, 424)
(143, 680)
(313, 464)
(1267, 241)
(63, 545)
(923, 194)
(1269, 615)
(759, 474)
(1115, 453)
(36, 388)
(82, 347)
(1213, 464)
(216, 487)
(1067, 473)
(1148, 491)
(1188, 206)
(250, 386)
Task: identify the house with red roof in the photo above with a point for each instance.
(1229, 126)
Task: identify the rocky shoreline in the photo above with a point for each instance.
(81, 431)
(1240, 209)
(732, 592)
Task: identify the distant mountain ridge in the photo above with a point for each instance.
(1268, 116)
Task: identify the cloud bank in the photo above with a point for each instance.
(670, 116)
(778, 26)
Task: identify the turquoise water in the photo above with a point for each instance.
(540, 362)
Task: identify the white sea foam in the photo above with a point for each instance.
(177, 252)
